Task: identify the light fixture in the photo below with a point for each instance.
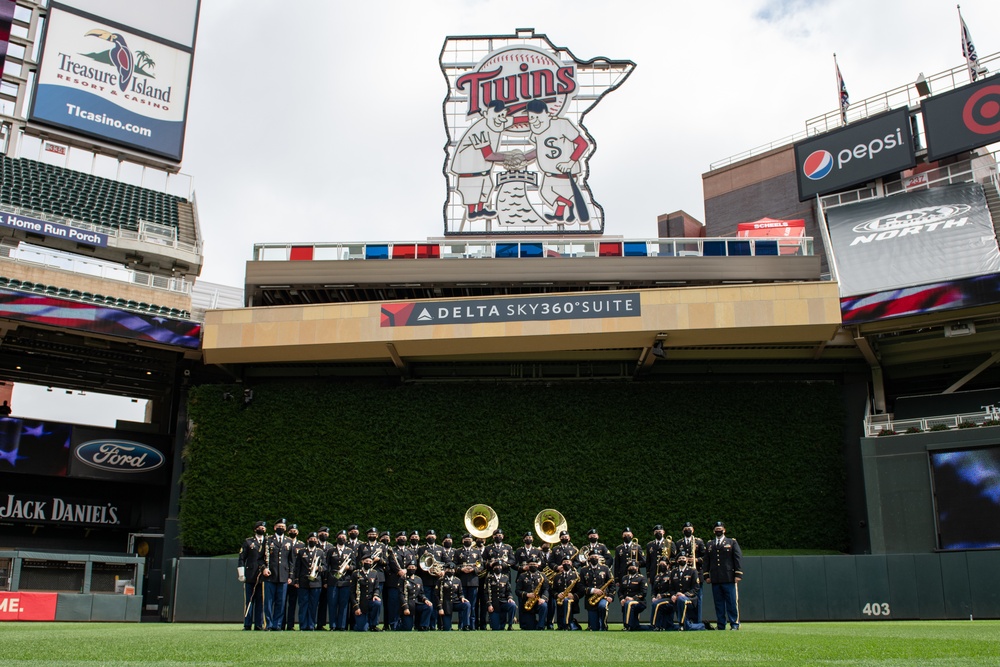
(658, 350)
(923, 85)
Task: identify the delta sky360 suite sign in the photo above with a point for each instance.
(518, 153)
(104, 80)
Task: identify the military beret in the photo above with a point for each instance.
(627, 530)
(279, 521)
(313, 535)
(353, 526)
(592, 531)
(467, 536)
(324, 529)
(498, 531)
(342, 532)
(415, 533)
(447, 536)
(563, 533)
(366, 557)
(294, 526)
(449, 566)
(401, 533)
(719, 524)
(373, 529)
(688, 524)
(657, 527)
(260, 524)
(431, 532)
(567, 557)
(384, 533)
(527, 534)
(534, 559)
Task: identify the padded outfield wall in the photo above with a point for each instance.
(768, 458)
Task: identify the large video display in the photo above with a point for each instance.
(105, 80)
(967, 497)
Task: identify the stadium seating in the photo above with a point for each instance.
(99, 201)
(98, 299)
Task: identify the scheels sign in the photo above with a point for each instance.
(855, 154)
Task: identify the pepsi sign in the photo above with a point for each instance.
(119, 456)
(854, 154)
(962, 119)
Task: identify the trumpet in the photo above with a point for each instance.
(431, 565)
(548, 525)
(314, 566)
(342, 570)
(481, 521)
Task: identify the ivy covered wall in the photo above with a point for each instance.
(765, 458)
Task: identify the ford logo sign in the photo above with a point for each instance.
(119, 456)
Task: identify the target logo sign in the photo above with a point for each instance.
(981, 113)
(962, 119)
(818, 165)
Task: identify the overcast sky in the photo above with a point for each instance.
(321, 121)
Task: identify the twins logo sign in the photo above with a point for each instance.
(517, 152)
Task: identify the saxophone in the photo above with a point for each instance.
(530, 603)
(569, 589)
(602, 593)
(314, 566)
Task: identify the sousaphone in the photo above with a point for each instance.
(548, 525)
(481, 521)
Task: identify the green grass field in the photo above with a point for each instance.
(877, 643)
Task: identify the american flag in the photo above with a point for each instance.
(968, 48)
(845, 99)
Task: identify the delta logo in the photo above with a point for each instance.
(818, 165)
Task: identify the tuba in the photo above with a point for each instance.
(548, 525)
(481, 521)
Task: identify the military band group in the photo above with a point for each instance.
(418, 584)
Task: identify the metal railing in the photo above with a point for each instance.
(36, 257)
(876, 425)
(907, 96)
(534, 248)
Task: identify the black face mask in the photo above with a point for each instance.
(431, 540)
(467, 544)
(353, 536)
(719, 533)
(496, 570)
(414, 542)
(341, 540)
(293, 534)
(633, 570)
(323, 536)
(594, 561)
(497, 539)
(564, 540)
(446, 544)
(400, 543)
(657, 536)
(313, 543)
(593, 540)
(279, 531)
(411, 572)
(688, 532)
(532, 568)
(528, 542)
(260, 531)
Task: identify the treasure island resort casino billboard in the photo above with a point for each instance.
(106, 80)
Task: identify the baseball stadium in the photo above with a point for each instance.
(779, 420)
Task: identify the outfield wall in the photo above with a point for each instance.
(953, 586)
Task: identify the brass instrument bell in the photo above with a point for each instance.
(481, 521)
(548, 525)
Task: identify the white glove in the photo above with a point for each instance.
(241, 574)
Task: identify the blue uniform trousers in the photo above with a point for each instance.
(339, 600)
(726, 605)
(502, 615)
(471, 594)
(392, 607)
(597, 619)
(564, 616)
(253, 602)
(421, 617)
(368, 620)
(663, 614)
(308, 606)
(535, 619)
(630, 614)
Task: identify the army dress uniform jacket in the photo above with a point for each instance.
(377, 552)
(471, 557)
(632, 586)
(561, 551)
(449, 592)
(365, 585)
(411, 593)
(397, 558)
(304, 565)
(566, 583)
(280, 558)
(502, 552)
(527, 582)
(498, 590)
(623, 554)
(724, 561)
(523, 554)
(596, 577)
(684, 547)
(687, 582)
(663, 585)
(252, 559)
(657, 551)
(337, 556)
(601, 550)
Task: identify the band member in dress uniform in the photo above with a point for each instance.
(532, 590)
(724, 569)
(482, 616)
(373, 549)
(498, 550)
(686, 600)
(594, 545)
(686, 546)
(395, 570)
(469, 560)
(353, 542)
(567, 589)
(524, 554)
(292, 597)
(431, 546)
(658, 549)
(383, 538)
(279, 552)
(560, 551)
(597, 579)
(499, 597)
(451, 599)
(447, 549)
(632, 593)
(366, 596)
(663, 592)
(342, 562)
(252, 570)
(415, 608)
(627, 551)
(321, 613)
(308, 575)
